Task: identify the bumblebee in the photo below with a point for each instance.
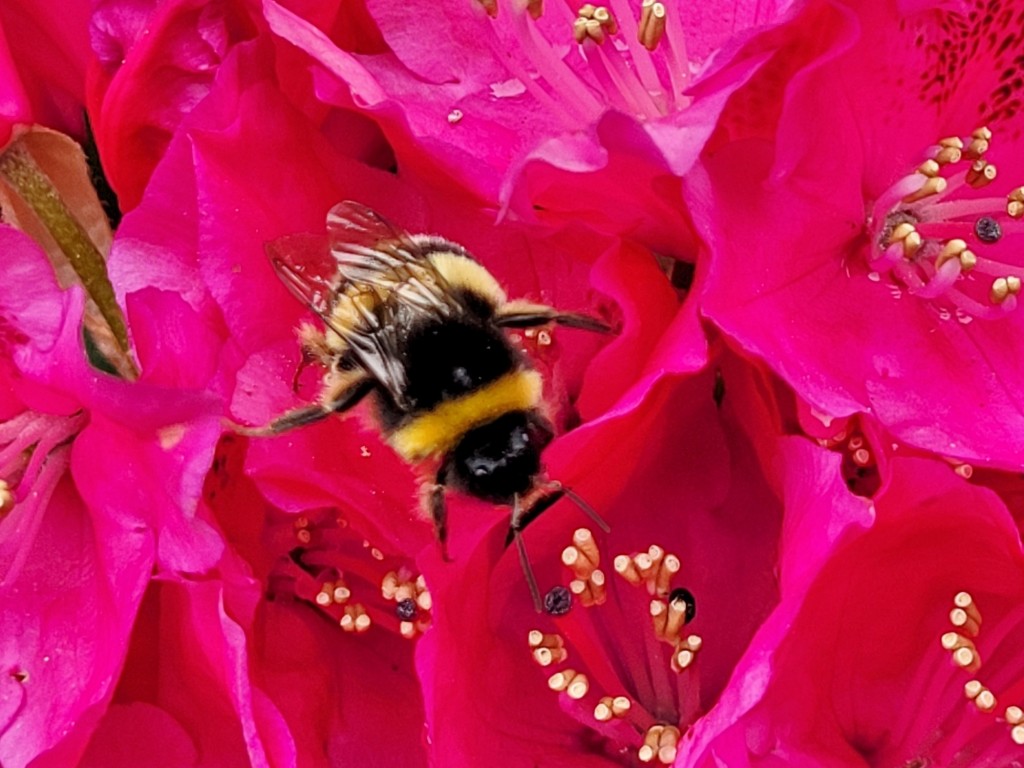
(415, 323)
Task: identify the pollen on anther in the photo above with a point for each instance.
(985, 701)
(608, 708)
(932, 186)
(981, 173)
(1015, 203)
(355, 619)
(1014, 715)
(574, 684)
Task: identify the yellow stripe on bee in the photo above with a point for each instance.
(439, 430)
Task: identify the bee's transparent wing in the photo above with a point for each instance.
(370, 252)
(308, 269)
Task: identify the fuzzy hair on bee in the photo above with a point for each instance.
(419, 326)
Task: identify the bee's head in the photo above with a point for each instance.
(500, 459)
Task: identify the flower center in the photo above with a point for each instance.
(940, 235)
(626, 668)
(352, 583)
(634, 61)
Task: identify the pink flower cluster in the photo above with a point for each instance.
(804, 219)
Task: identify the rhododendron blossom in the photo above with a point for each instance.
(792, 531)
(536, 100)
(938, 681)
(876, 230)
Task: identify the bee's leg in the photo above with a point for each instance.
(310, 414)
(521, 314)
(439, 514)
(515, 533)
(314, 348)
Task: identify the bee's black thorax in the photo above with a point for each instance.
(447, 359)
(500, 459)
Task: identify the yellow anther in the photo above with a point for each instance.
(967, 658)
(966, 471)
(976, 148)
(651, 28)
(595, 23)
(582, 556)
(1014, 715)
(547, 649)
(972, 688)
(670, 566)
(355, 619)
(574, 684)
(1000, 290)
(1017, 734)
(929, 168)
(661, 743)
(603, 16)
(963, 622)
(861, 457)
(951, 141)
(930, 187)
(963, 652)
(609, 708)
(981, 173)
(590, 591)
(686, 652)
(951, 250)
(965, 601)
(906, 234)
(982, 133)
(583, 538)
(985, 701)
(425, 601)
(389, 585)
(968, 261)
(626, 568)
(1013, 284)
(948, 155)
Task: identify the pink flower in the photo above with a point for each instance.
(642, 627)
(517, 110)
(816, 268)
(42, 66)
(90, 466)
(154, 62)
(901, 648)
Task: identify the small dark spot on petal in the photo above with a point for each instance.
(988, 230)
(558, 601)
(406, 609)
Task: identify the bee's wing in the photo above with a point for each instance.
(370, 252)
(308, 269)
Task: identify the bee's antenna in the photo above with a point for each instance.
(590, 511)
(524, 559)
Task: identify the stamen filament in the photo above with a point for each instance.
(641, 58)
(641, 101)
(554, 70)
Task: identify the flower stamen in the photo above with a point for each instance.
(932, 231)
